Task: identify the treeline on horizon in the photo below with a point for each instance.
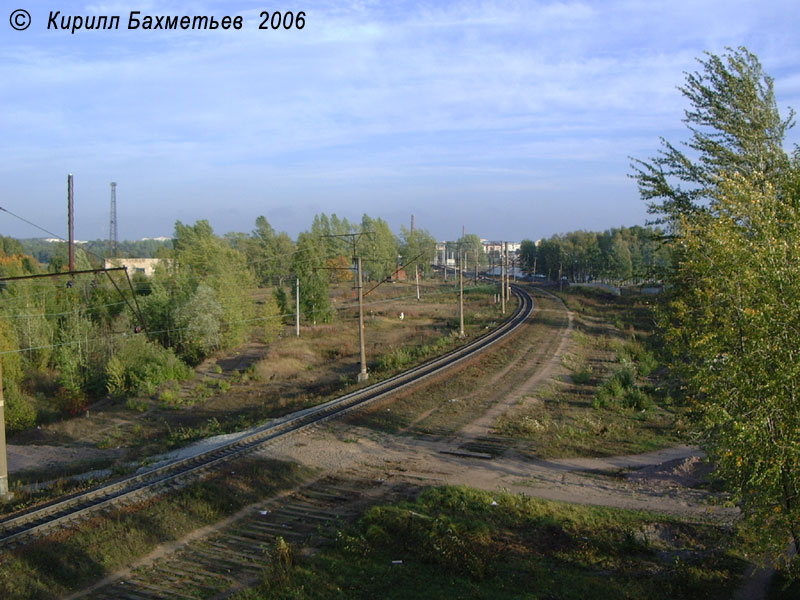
(625, 254)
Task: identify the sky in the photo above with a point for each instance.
(510, 119)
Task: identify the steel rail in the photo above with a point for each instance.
(66, 511)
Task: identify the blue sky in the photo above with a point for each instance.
(513, 119)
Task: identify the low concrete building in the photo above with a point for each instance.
(146, 266)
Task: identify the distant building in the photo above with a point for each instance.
(445, 254)
(495, 248)
(145, 266)
(54, 240)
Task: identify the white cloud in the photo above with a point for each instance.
(373, 92)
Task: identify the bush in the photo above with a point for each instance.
(621, 389)
(637, 399)
(582, 376)
(626, 375)
(19, 412)
(139, 366)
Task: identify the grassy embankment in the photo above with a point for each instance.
(602, 397)
(237, 390)
(69, 560)
(464, 543)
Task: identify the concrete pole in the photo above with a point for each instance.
(70, 223)
(460, 294)
(363, 375)
(297, 307)
(502, 280)
(4, 495)
(508, 275)
(416, 276)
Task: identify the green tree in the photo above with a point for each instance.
(527, 256)
(620, 264)
(200, 258)
(472, 249)
(379, 249)
(309, 263)
(269, 253)
(731, 321)
(735, 127)
(733, 330)
(417, 248)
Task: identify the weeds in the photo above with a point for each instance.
(458, 542)
(54, 566)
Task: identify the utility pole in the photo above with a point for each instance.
(112, 227)
(4, 495)
(502, 280)
(508, 275)
(355, 237)
(70, 223)
(297, 307)
(460, 294)
(363, 375)
(416, 276)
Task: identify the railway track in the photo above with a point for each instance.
(70, 510)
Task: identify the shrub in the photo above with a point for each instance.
(637, 399)
(139, 366)
(19, 412)
(582, 376)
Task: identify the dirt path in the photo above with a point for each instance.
(541, 362)
(669, 481)
(665, 481)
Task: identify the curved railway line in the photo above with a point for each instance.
(68, 511)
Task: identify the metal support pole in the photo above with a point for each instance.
(4, 495)
(70, 223)
(502, 281)
(297, 307)
(363, 375)
(460, 295)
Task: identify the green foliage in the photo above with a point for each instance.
(282, 300)
(418, 248)
(471, 248)
(735, 128)
(315, 304)
(457, 542)
(621, 390)
(201, 298)
(731, 324)
(200, 322)
(626, 253)
(378, 250)
(733, 335)
(268, 252)
(20, 414)
(397, 358)
(139, 366)
(272, 321)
